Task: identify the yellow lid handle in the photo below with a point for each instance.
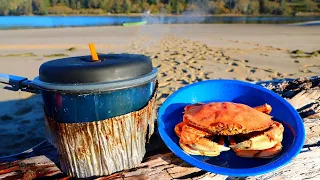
(93, 52)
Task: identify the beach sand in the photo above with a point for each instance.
(183, 54)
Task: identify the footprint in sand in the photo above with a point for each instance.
(163, 95)
(184, 71)
(277, 74)
(163, 74)
(193, 61)
(249, 79)
(169, 79)
(270, 77)
(287, 74)
(202, 75)
(305, 71)
(175, 63)
(233, 64)
(190, 76)
(198, 79)
(210, 75)
(164, 84)
(229, 70)
(186, 63)
(268, 70)
(182, 81)
(251, 70)
(193, 67)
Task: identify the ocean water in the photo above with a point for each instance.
(13, 22)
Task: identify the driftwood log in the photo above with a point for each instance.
(159, 162)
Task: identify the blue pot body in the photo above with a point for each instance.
(90, 107)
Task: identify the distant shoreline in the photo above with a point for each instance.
(179, 15)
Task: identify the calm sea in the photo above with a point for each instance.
(12, 22)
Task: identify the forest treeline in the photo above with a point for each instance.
(68, 7)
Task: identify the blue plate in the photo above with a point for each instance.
(227, 163)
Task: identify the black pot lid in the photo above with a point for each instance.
(82, 74)
(109, 68)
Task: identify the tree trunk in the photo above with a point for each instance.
(261, 7)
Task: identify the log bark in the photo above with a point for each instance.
(160, 163)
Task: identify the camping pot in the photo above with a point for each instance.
(99, 114)
(78, 89)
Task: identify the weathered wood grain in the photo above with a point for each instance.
(160, 163)
(301, 93)
(103, 147)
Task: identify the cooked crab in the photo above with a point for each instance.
(258, 134)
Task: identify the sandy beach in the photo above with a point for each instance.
(183, 54)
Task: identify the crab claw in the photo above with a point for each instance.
(204, 147)
(262, 140)
(193, 141)
(267, 153)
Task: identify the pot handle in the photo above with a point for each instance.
(17, 83)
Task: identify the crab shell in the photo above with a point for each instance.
(225, 118)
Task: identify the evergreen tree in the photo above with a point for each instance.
(93, 3)
(127, 6)
(117, 6)
(4, 7)
(64, 2)
(79, 5)
(73, 4)
(25, 8)
(169, 9)
(262, 6)
(54, 2)
(39, 7)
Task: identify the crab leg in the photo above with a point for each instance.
(267, 153)
(270, 153)
(193, 141)
(262, 140)
(178, 128)
(243, 153)
(266, 108)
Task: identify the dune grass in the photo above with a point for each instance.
(28, 54)
(72, 49)
(298, 51)
(56, 55)
(301, 54)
